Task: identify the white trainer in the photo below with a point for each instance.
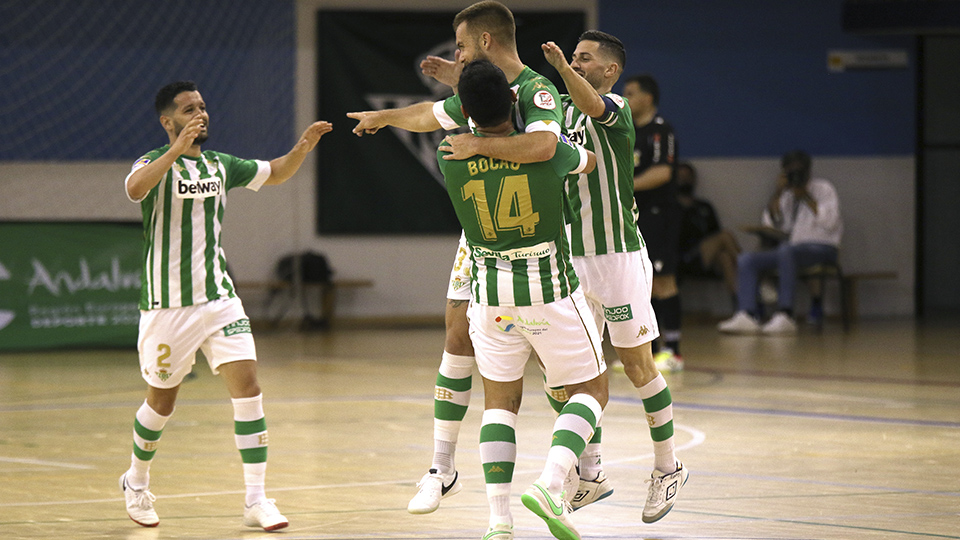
(571, 484)
(591, 491)
(432, 489)
(663, 492)
(499, 532)
(552, 509)
(139, 504)
(780, 324)
(740, 323)
(264, 514)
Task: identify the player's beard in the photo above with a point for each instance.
(201, 138)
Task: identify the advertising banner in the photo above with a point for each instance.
(389, 182)
(68, 284)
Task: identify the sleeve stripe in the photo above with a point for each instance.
(583, 159)
(263, 173)
(441, 115)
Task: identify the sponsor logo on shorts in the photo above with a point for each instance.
(239, 327)
(531, 327)
(618, 313)
(643, 331)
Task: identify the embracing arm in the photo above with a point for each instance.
(530, 147)
(283, 167)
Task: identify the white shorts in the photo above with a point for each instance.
(617, 287)
(169, 339)
(562, 333)
(459, 288)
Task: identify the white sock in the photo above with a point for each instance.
(138, 476)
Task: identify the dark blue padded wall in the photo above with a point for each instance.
(78, 77)
(750, 78)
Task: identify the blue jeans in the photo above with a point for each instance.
(787, 259)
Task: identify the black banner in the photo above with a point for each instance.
(389, 182)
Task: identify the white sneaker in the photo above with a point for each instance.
(591, 491)
(668, 362)
(139, 504)
(740, 323)
(265, 515)
(499, 532)
(780, 324)
(552, 509)
(432, 489)
(663, 492)
(571, 484)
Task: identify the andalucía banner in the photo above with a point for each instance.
(69, 284)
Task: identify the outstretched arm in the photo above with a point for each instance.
(418, 118)
(283, 167)
(583, 94)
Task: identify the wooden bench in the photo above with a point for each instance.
(325, 292)
(848, 281)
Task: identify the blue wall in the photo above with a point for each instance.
(750, 78)
(738, 78)
(78, 77)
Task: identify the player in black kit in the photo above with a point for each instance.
(655, 189)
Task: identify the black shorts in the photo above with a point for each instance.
(660, 227)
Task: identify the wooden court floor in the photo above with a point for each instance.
(820, 436)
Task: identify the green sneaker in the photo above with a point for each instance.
(552, 509)
(499, 532)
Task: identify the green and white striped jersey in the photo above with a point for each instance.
(183, 261)
(513, 218)
(604, 216)
(537, 107)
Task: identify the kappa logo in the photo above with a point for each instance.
(496, 469)
(643, 331)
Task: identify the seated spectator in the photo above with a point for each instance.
(705, 248)
(806, 213)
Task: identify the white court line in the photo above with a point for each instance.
(45, 463)
(697, 438)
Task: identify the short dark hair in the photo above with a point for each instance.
(168, 93)
(796, 159)
(485, 93)
(492, 17)
(609, 45)
(649, 85)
